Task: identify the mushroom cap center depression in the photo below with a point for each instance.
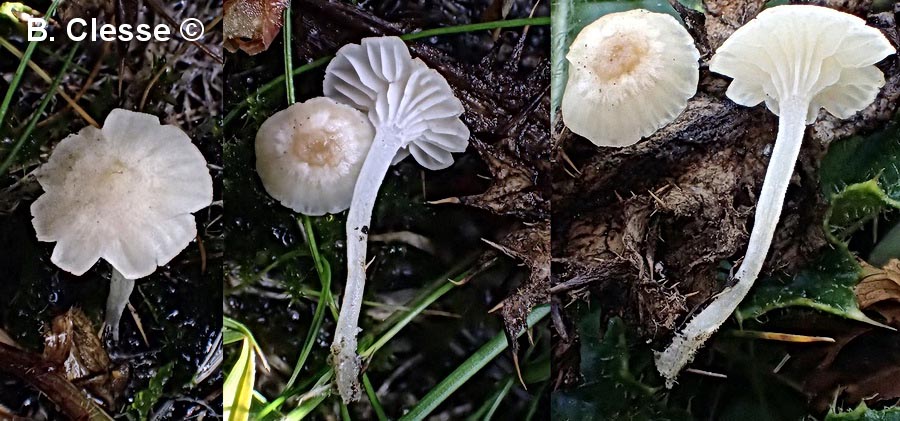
(116, 180)
(317, 147)
(620, 55)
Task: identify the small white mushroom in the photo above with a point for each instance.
(797, 59)
(630, 73)
(123, 193)
(414, 112)
(309, 155)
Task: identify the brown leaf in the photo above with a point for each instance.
(879, 285)
(252, 25)
(513, 190)
(862, 365)
(531, 245)
(879, 291)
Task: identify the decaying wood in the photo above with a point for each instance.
(649, 224)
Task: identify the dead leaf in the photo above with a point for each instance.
(863, 365)
(531, 245)
(879, 291)
(252, 25)
(512, 190)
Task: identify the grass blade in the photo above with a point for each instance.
(467, 369)
(23, 63)
(288, 59)
(373, 398)
(235, 331)
(499, 399)
(11, 158)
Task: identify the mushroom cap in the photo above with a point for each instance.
(401, 95)
(804, 52)
(309, 155)
(123, 193)
(630, 73)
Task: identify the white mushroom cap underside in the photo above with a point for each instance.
(309, 155)
(807, 52)
(403, 96)
(630, 73)
(124, 193)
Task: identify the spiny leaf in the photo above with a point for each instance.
(862, 158)
(863, 413)
(861, 177)
(855, 205)
(827, 285)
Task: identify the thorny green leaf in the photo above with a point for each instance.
(863, 413)
(853, 207)
(827, 285)
(861, 178)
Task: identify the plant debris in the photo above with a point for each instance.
(252, 25)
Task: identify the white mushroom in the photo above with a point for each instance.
(123, 193)
(630, 73)
(309, 155)
(414, 112)
(797, 59)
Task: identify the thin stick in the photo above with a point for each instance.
(46, 77)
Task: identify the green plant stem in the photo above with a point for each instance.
(407, 317)
(11, 158)
(311, 335)
(533, 406)
(315, 296)
(559, 44)
(373, 398)
(288, 57)
(467, 369)
(499, 399)
(323, 269)
(472, 27)
(319, 392)
(281, 259)
(23, 63)
(416, 307)
(539, 21)
(345, 413)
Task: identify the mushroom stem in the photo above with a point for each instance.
(791, 126)
(120, 289)
(344, 347)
